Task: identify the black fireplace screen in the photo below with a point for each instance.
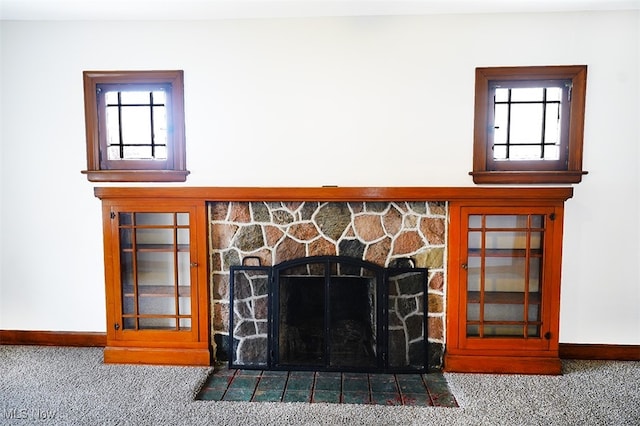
(328, 313)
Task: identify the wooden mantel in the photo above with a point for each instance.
(406, 193)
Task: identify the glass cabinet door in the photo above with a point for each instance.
(504, 275)
(155, 271)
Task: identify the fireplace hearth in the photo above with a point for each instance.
(329, 313)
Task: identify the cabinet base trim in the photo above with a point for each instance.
(502, 364)
(52, 338)
(158, 356)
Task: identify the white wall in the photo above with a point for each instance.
(396, 91)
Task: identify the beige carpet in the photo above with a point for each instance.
(71, 386)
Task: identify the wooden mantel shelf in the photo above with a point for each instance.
(338, 193)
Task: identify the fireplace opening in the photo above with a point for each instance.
(334, 329)
(329, 313)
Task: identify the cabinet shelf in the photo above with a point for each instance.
(476, 252)
(503, 297)
(157, 291)
(162, 248)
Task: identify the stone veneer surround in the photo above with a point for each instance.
(378, 232)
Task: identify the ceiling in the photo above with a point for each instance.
(227, 9)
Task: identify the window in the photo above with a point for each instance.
(529, 124)
(135, 126)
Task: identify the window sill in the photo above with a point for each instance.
(524, 177)
(136, 175)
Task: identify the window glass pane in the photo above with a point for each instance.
(526, 94)
(501, 123)
(552, 152)
(160, 125)
(113, 125)
(526, 123)
(135, 97)
(128, 122)
(552, 124)
(136, 153)
(136, 125)
(159, 97)
(160, 153)
(521, 120)
(554, 93)
(502, 94)
(500, 152)
(525, 152)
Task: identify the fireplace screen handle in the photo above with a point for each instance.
(256, 258)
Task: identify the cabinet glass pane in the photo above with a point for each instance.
(504, 274)
(182, 219)
(155, 269)
(183, 237)
(473, 274)
(184, 269)
(157, 305)
(503, 270)
(154, 237)
(157, 323)
(155, 219)
(475, 240)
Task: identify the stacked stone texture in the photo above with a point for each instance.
(378, 232)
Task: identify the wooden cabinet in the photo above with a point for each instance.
(156, 275)
(504, 287)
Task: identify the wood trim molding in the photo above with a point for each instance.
(337, 193)
(52, 338)
(600, 352)
(81, 339)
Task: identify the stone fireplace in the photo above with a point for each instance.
(381, 233)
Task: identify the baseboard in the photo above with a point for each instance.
(599, 351)
(52, 338)
(80, 338)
